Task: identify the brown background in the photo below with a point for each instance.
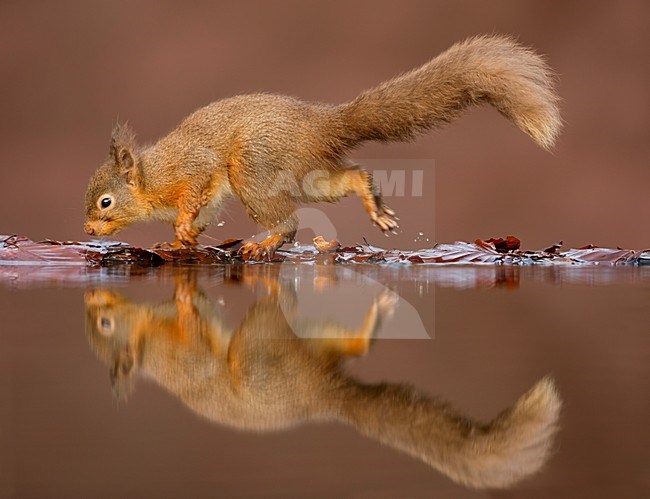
(70, 69)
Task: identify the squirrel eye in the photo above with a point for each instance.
(105, 325)
(106, 202)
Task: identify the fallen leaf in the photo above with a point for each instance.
(324, 246)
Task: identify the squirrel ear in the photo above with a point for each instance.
(122, 374)
(122, 145)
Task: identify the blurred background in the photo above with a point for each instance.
(70, 69)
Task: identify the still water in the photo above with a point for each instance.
(325, 381)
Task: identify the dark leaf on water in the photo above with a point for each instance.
(510, 243)
(554, 248)
(228, 244)
(18, 250)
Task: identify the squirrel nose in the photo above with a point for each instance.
(89, 229)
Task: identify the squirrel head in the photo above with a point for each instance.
(114, 196)
(112, 325)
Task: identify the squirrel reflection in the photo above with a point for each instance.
(264, 376)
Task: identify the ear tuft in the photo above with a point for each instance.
(121, 150)
(122, 137)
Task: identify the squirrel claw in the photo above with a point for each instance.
(256, 252)
(385, 219)
(386, 303)
(388, 211)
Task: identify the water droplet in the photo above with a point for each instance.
(221, 224)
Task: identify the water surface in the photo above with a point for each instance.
(324, 381)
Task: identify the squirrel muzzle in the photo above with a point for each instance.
(101, 227)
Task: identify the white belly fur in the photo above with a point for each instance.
(165, 214)
(212, 209)
(207, 213)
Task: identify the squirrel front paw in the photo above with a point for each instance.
(170, 246)
(185, 235)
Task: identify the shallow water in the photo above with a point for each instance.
(322, 381)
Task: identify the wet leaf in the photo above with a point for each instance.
(554, 248)
(510, 243)
(228, 244)
(18, 250)
(324, 246)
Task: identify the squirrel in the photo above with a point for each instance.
(276, 370)
(273, 151)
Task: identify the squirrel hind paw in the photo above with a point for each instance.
(256, 252)
(385, 219)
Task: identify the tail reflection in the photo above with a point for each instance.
(273, 372)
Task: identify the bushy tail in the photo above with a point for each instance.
(513, 446)
(485, 69)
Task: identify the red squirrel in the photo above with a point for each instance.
(265, 148)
